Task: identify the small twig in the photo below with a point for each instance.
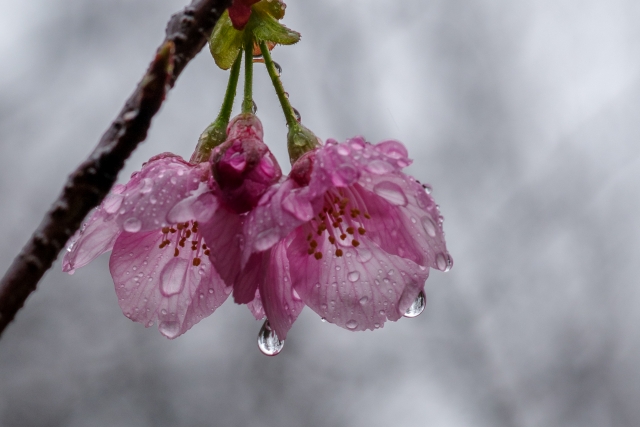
(187, 32)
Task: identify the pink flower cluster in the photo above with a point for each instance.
(347, 233)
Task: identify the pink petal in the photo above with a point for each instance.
(282, 304)
(153, 285)
(166, 191)
(414, 213)
(279, 212)
(359, 290)
(223, 235)
(96, 237)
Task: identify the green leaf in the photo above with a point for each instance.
(274, 8)
(266, 27)
(225, 42)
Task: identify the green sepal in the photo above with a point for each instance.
(299, 141)
(214, 135)
(225, 42)
(274, 8)
(267, 28)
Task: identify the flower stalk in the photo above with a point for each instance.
(247, 102)
(216, 133)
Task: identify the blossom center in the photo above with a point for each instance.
(342, 219)
(185, 236)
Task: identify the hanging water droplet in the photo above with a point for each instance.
(278, 68)
(169, 329)
(268, 341)
(417, 307)
(427, 188)
(323, 320)
(258, 58)
(254, 107)
(298, 116)
(353, 276)
(444, 262)
(352, 324)
(286, 95)
(132, 225)
(391, 192)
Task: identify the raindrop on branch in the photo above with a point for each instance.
(268, 341)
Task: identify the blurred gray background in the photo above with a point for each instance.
(523, 115)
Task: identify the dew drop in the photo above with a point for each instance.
(343, 149)
(444, 262)
(112, 203)
(429, 226)
(278, 68)
(132, 225)
(323, 320)
(391, 192)
(352, 324)
(254, 107)
(268, 341)
(173, 276)
(353, 276)
(393, 149)
(169, 329)
(364, 300)
(298, 116)
(364, 255)
(417, 307)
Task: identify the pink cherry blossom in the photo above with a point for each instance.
(159, 264)
(354, 237)
(156, 226)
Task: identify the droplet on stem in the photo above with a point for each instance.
(417, 307)
(278, 68)
(268, 341)
(298, 116)
(254, 107)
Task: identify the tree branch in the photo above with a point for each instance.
(187, 32)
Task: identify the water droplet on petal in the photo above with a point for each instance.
(379, 167)
(393, 149)
(429, 226)
(169, 329)
(352, 324)
(268, 341)
(147, 185)
(298, 207)
(343, 149)
(295, 295)
(417, 307)
(323, 320)
(353, 276)
(444, 262)
(266, 239)
(364, 255)
(173, 276)
(112, 203)
(132, 225)
(364, 300)
(344, 175)
(391, 192)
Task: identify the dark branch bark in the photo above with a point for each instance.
(187, 32)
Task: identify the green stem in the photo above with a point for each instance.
(216, 133)
(247, 103)
(230, 94)
(287, 109)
